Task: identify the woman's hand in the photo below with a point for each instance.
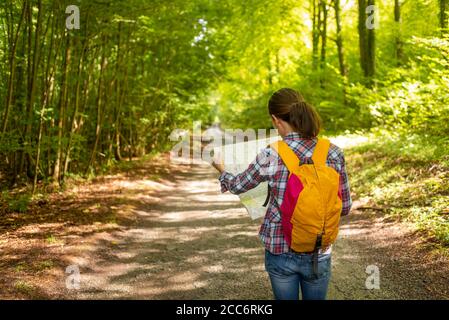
(218, 166)
(217, 162)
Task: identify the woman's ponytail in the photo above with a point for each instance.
(304, 119)
(288, 104)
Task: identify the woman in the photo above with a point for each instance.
(298, 124)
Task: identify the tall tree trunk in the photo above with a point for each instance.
(27, 112)
(75, 109)
(444, 16)
(371, 48)
(340, 48)
(117, 153)
(32, 85)
(62, 106)
(269, 68)
(77, 100)
(362, 35)
(99, 113)
(108, 117)
(324, 10)
(49, 93)
(12, 67)
(367, 41)
(86, 90)
(19, 99)
(399, 54)
(315, 32)
(43, 103)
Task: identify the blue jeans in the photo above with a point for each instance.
(290, 272)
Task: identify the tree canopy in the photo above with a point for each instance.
(74, 100)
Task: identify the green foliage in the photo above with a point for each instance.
(44, 265)
(136, 72)
(409, 95)
(414, 147)
(51, 239)
(414, 98)
(16, 202)
(24, 287)
(133, 70)
(407, 176)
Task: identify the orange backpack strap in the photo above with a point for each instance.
(321, 150)
(287, 155)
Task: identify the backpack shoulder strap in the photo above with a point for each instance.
(287, 155)
(321, 150)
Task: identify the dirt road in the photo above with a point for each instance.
(179, 238)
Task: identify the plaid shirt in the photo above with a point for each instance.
(261, 170)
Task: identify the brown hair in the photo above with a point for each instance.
(289, 105)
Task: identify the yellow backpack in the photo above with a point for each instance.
(312, 204)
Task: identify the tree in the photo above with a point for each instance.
(76, 101)
(340, 47)
(316, 31)
(371, 45)
(362, 35)
(14, 38)
(444, 16)
(62, 110)
(99, 106)
(399, 53)
(32, 71)
(367, 38)
(325, 11)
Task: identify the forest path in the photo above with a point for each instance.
(180, 238)
(196, 243)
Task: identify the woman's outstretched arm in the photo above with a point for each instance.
(256, 173)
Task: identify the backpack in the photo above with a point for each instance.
(312, 204)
